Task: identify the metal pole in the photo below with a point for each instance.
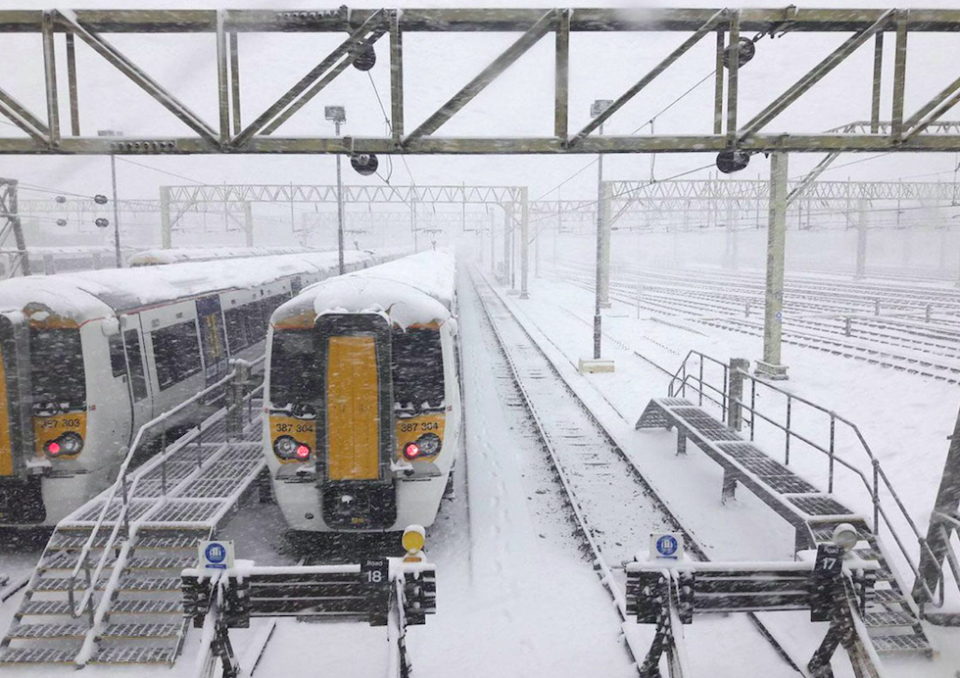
(776, 240)
(862, 242)
(339, 209)
(524, 243)
(116, 211)
(493, 242)
(598, 297)
(248, 222)
(166, 230)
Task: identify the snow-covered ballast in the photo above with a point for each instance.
(87, 358)
(364, 399)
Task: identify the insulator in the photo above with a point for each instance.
(364, 163)
(100, 199)
(745, 47)
(732, 161)
(60, 199)
(101, 222)
(364, 56)
(61, 222)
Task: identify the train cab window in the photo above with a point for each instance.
(118, 363)
(56, 370)
(176, 351)
(418, 369)
(138, 378)
(293, 379)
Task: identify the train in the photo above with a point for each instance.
(86, 359)
(51, 260)
(362, 391)
(158, 257)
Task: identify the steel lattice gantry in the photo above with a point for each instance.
(512, 199)
(907, 130)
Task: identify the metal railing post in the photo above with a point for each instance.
(833, 429)
(734, 395)
(786, 448)
(876, 497)
(163, 462)
(700, 381)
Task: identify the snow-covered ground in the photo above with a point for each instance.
(515, 594)
(905, 418)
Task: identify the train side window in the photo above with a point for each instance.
(138, 379)
(236, 330)
(118, 363)
(418, 369)
(176, 352)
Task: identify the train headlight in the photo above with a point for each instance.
(71, 443)
(411, 450)
(285, 447)
(429, 444)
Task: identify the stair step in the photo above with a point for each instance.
(44, 607)
(905, 643)
(136, 655)
(158, 584)
(67, 560)
(47, 631)
(161, 563)
(37, 655)
(889, 618)
(165, 607)
(74, 541)
(160, 630)
(170, 543)
(50, 584)
(887, 596)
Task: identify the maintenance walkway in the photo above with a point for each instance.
(135, 616)
(891, 616)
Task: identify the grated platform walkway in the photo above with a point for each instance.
(891, 616)
(139, 616)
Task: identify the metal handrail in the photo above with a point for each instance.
(121, 484)
(873, 489)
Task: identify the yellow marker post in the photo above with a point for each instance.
(414, 539)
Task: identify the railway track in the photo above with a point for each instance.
(921, 358)
(613, 507)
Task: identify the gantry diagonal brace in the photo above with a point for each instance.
(132, 71)
(815, 75)
(935, 108)
(319, 77)
(18, 114)
(533, 35)
(685, 47)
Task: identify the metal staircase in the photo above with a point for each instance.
(131, 549)
(892, 616)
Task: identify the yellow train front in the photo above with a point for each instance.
(363, 398)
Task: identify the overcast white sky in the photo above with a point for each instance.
(520, 103)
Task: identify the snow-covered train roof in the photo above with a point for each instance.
(418, 289)
(153, 257)
(89, 294)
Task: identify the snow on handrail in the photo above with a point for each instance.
(122, 518)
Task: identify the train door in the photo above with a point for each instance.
(139, 384)
(355, 442)
(212, 339)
